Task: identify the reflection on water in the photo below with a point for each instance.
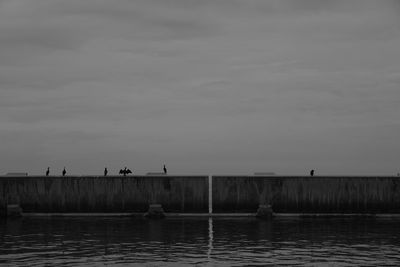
(214, 242)
(210, 238)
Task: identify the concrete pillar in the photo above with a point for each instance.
(14, 210)
(155, 212)
(264, 211)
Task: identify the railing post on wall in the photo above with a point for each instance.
(210, 194)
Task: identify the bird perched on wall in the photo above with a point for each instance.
(64, 172)
(105, 172)
(125, 171)
(48, 171)
(165, 169)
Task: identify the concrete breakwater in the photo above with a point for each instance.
(105, 194)
(190, 194)
(316, 194)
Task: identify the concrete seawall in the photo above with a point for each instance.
(105, 194)
(189, 194)
(307, 194)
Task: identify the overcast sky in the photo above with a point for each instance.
(204, 86)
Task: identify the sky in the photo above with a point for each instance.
(203, 86)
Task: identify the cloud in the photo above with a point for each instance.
(226, 83)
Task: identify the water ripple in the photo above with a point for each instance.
(201, 242)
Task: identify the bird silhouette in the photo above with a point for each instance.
(125, 171)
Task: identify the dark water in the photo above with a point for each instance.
(213, 242)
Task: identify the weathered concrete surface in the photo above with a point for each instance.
(307, 194)
(189, 194)
(105, 194)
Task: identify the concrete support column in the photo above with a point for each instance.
(14, 210)
(155, 212)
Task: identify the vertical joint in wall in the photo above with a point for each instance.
(210, 194)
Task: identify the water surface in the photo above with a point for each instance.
(97, 241)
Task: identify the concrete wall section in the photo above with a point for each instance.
(307, 194)
(187, 194)
(105, 194)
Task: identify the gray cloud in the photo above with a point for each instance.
(207, 86)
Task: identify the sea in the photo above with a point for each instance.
(124, 241)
